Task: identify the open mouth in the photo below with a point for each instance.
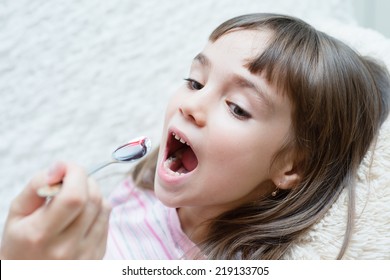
(180, 158)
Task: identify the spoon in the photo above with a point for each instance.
(129, 152)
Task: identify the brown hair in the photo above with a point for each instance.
(339, 101)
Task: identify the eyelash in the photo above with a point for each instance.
(192, 84)
(235, 110)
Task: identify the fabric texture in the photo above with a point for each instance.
(141, 227)
(371, 233)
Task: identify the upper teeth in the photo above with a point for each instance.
(177, 137)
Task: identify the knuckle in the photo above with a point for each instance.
(62, 253)
(74, 201)
(37, 238)
(67, 249)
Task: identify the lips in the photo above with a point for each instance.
(180, 158)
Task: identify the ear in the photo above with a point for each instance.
(286, 176)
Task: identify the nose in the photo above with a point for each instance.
(194, 110)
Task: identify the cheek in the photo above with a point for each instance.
(233, 172)
(244, 157)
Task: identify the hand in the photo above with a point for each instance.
(73, 225)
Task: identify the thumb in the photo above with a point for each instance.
(28, 200)
(56, 173)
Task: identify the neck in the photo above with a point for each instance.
(193, 223)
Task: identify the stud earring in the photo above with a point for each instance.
(276, 191)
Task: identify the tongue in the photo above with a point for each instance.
(189, 159)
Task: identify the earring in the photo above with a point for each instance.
(276, 191)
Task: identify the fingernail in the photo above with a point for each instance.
(52, 170)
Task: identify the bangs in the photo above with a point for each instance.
(291, 53)
(290, 61)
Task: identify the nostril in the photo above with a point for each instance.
(186, 114)
(192, 118)
(197, 118)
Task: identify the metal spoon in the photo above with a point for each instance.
(129, 152)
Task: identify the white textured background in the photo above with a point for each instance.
(78, 78)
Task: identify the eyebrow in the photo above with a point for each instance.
(258, 92)
(238, 80)
(202, 59)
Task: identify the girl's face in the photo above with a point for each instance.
(222, 129)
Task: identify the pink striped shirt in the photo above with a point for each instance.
(141, 227)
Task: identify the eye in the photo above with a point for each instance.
(193, 85)
(237, 111)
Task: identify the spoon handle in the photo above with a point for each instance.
(50, 191)
(101, 166)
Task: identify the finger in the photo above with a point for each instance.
(68, 204)
(87, 218)
(56, 173)
(54, 180)
(96, 239)
(28, 200)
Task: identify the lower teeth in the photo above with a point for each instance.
(168, 164)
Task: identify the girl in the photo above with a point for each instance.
(269, 127)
